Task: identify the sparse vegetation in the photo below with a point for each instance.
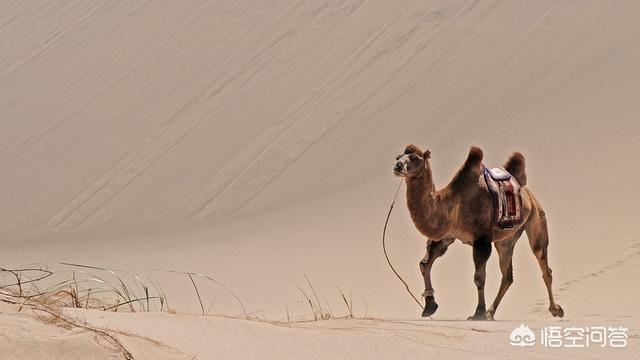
(93, 287)
(310, 297)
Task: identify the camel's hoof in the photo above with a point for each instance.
(489, 315)
(556, 311)
(430, 306)
(477, 317)
(481, 314)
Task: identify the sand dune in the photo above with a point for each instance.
(253, 141)
(165, 336)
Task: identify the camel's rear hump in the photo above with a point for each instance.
(515, 166)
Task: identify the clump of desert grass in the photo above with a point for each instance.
(98, 288)
(322, 310)
(46, 293)
(22, 287)
(81, 286)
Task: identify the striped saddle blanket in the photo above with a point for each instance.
(507, 200)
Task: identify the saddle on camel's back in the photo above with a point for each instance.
(507, 200)
(504, 183)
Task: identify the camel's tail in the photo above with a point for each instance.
(515, 166)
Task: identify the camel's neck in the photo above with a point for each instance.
(429, 211)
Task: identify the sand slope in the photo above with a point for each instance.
(254, 141)
(164, 336)
(27, 335)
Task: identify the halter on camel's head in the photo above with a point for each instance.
(411, 162)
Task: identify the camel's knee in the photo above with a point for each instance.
(547, 276)
(434, 251)
(540, 252)
(424, 266)
(537, 252)
(479, 279)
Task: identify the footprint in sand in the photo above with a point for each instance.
(567, 285)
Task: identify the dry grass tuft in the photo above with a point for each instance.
(47, 304)
(310, 297)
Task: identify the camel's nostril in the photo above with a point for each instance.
(398, 167)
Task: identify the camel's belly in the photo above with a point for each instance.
(464, 236)
(498, 235)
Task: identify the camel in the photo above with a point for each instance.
(464, 210)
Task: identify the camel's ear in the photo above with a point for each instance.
(426, 155)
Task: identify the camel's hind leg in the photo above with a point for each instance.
(481, 253)
(505, 253)
(539, 240)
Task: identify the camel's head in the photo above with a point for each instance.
(411, 162)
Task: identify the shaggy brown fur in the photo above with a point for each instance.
(515, 166)
(470, 170)
(464, 210)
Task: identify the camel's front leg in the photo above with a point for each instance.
(435, 249)
(481, 253)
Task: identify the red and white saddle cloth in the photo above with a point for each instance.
(507, 201)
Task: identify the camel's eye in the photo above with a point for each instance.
(415, 159)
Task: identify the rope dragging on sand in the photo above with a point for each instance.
(384, 247)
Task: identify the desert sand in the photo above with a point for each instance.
(254, 142)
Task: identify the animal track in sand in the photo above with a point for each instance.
(634, 251)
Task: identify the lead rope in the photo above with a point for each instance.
(384, 247)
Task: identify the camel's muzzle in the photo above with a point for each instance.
(400, 169)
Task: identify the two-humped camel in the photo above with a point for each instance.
(464, 210)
